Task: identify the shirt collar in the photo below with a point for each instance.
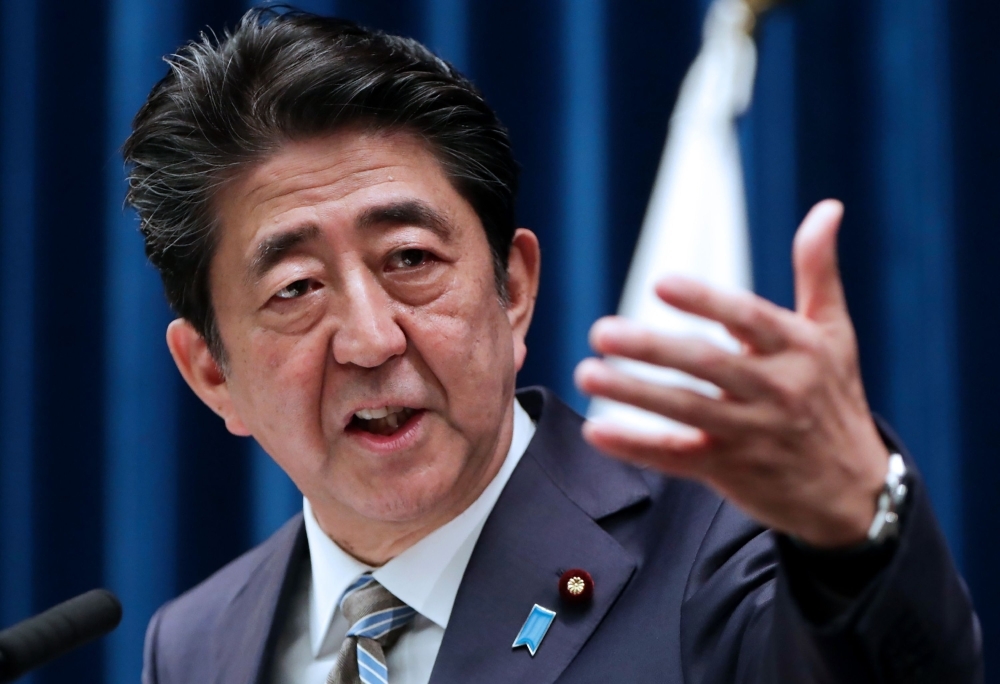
(425, 576)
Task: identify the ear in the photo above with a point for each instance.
(202, 373)
(523, 266)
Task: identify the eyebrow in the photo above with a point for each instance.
(407, 213)
(273, 249)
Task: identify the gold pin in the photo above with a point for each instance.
(576, 586)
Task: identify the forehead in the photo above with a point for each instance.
(330, 178)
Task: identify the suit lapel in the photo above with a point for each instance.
(543, 524)
(244, 634)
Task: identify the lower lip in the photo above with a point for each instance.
(405, 436)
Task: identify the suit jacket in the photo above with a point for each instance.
(687, 589)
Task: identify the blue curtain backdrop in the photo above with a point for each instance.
(112, 473)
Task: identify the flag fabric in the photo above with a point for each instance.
(696, 221)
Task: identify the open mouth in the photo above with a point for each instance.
(383, 421)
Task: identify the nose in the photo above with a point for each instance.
(368, 334)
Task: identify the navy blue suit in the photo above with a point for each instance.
(687, 589)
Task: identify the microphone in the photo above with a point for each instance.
(60, 629)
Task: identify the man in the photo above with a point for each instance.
(332, 213)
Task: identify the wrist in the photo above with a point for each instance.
(870, 515)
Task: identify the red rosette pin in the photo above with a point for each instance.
(576, 586)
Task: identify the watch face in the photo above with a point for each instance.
(885, 525)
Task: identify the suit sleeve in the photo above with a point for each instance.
(742, 620)
(150, 674)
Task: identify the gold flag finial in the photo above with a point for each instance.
(758, 7)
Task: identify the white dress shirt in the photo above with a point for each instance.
(425, 576)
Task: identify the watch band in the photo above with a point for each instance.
(885, 525)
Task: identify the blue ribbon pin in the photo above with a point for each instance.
(538, 623)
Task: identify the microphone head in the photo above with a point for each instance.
(60, 629)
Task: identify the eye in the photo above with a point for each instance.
(293, 290)
(410, 258)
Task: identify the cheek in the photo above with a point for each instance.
(278, 383)
(471, 352)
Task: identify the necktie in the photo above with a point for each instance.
(377, 618)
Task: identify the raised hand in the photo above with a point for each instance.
(790, 439)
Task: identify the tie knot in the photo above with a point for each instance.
(372, 611)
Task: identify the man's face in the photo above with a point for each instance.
(351, 279)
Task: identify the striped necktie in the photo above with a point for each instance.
(377, 619)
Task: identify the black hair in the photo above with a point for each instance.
(230, 102)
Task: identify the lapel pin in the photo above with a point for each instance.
(576, 586)
(538, 623)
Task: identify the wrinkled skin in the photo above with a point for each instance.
(351, 275)
(334, 295)
(791, 439)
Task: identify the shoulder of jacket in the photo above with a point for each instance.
(180, 634)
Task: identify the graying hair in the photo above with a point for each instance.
(228, 103)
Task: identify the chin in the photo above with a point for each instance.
(405, 502)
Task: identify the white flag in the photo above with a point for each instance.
(696, 222)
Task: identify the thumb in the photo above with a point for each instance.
(819, 293)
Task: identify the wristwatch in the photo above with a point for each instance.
(885, 525)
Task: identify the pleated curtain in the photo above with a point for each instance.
(113, 474)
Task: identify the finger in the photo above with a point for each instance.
(685, 456)
(617, 336)
(765, 327)
(819, 292)
(599, 378)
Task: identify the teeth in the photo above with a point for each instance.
(385, 420)
(376, 413)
